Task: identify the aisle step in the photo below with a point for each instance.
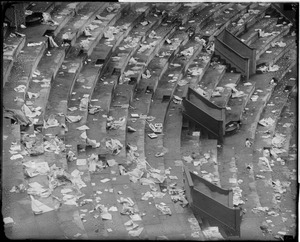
(263, 43)
(228, 78)
(271, 55)
(211, 78)
(252, 34)
(75, 27)
(254, 14)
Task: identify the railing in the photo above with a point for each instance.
(235, 52)
(206, 114)
(212, 202)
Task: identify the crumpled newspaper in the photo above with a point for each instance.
(279, 44)
(188, 52)
(278, 140)
(36, 168)
(54, 144)
(164, 208)
(114, 145)
(266, 122)
(17, 116)
(51, 122)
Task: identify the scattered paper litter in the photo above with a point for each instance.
(266, 122)
(73, 119)
(278, 141)
(111, 162)
(81, 162)
(8, 220)
(36, 168)
(136, 233)
(39, 207)
(163, 208)
(136, 217)
(105, 180)
(17, 156)
(113, 209)
(51, 122)
(83, 127)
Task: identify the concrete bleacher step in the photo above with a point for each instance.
(140, 105)
(59, 94)
(43, 7)
(12, 46)
(119, 110)
(83, 86)
(165, 56)
(274, 107)
(7, 65)
(287, 125)
(34, 48)
(20, 74)
(48, 68)
(211, 78)
(237, 105)
(144, 56)
(286, 63)
(228, 78)
(86, 44)
(265, 134)
(75, 27)
(224, 19)
(61, 14)
(172, 143)
(102, 96)
(262, 44)
(252, 34)
(208, 150)
(255, 12)
(278, 169)
(181, 63)
(121, 45)
(274, 53)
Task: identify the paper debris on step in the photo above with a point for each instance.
(146, 196)
(237, 94)
(114, 145)
(188, 159)
(286, 125)
(31, 112)
(113, 209)
(135, 217)
(254, 98)
(17, 156)
(266, 122)
(8, 220)
(279, 44)
(39, 207)
(136, 233)
(36, 168)
(187, 52)
(81, 162)
(51, 122)
(278, 141)
(163, 208)
(212, 233)
(152, 135)
(73, 119)
(111, 162)
(83, 127)
(33, 95)
(105, 180)
(182, 82)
